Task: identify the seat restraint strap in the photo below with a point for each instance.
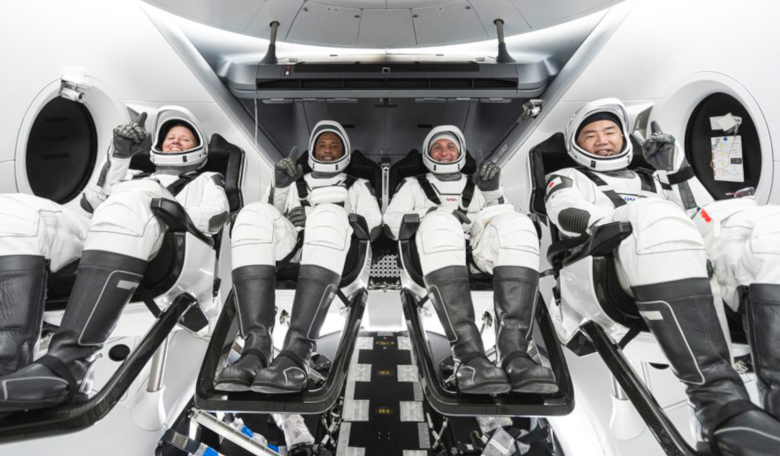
(465, 197)
(178, 185)
(430, 193)
(611, 194)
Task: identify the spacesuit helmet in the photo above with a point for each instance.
(167, 118)
(452, 133)
(330, 166)
(604, 109)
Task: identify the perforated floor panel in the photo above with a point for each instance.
(383, 387)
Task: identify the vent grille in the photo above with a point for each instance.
(380, 84)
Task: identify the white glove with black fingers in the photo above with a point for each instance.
(132, 138)
(286, 172)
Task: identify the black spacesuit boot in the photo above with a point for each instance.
(22, 299)
(255, 292)
(104, 285)
(289, 372)
(681, 315)
(762, 312)
(448, 289)
(514, 296)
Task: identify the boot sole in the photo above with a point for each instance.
(232, 386)
(535, 388)
(499, 387)
(266, 388)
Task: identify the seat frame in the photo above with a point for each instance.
(353, 292)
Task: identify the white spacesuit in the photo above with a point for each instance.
(663, 264)
(267, 232)
(456, 209)
(123, 236)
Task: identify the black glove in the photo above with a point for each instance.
(297, 216)
(286, 172)
(487, 177)
(658, 150)
(132, 138)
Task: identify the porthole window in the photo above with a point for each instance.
(724, 161)
(61, 150)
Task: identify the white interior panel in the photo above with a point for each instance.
(329, 25)
(381, 28)
(514, 22)
(282, 11)
(549, 12)
(232, 15)
(451, 23)
(358, 4)
(417, 3)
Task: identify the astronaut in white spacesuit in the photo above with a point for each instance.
(455, 209)
(266, 233)
(114, 247)
(663, 264)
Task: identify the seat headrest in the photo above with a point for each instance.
(227, 159)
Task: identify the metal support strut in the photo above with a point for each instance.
(270, 55)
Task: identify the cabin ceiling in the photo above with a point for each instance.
(381, 23)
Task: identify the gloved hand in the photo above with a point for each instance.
(297, 216)
(658, 150)
(132, 138)
(487, 176)
(286, 172)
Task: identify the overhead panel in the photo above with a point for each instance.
(326, 25)
(386, 28)
(549, 12)
(514, 22)
(455, 22)
(417, 3)
(282, 11)
(358, 4)
(232, 15)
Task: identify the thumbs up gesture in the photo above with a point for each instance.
(132, 138)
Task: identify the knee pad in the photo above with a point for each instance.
(328, 226)
(440, 231)
(515, 231)
(255, 224)
(126, 213)
(18, 218)
(760, 260)
(661, 226)
(765, 237)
